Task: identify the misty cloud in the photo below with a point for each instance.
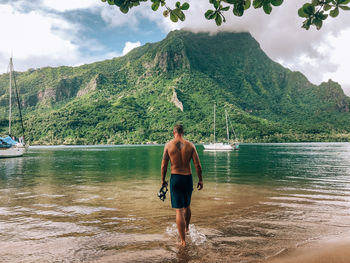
(130, 46)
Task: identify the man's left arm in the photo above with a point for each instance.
(197, 165)
(165, 162)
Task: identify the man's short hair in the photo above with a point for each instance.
(178, 128)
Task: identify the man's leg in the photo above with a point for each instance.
(181, 224)
(187, 218)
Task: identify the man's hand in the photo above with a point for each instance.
(164, 183)
(200, 185)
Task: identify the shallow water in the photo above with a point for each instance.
(99, 204)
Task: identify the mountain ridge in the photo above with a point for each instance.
(137, 98)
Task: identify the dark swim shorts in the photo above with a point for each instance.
(181, 187)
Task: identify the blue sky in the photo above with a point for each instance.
(112, 38)
(74, 32)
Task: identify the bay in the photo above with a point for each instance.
(100, 204)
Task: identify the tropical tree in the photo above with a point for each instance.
(314, 13)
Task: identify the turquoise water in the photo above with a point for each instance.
(99, 204)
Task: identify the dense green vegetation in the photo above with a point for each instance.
(130, 99)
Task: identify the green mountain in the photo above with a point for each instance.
(138, 98)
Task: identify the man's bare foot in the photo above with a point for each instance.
(182, 243)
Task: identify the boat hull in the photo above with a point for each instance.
(218, 147)
(13, 151)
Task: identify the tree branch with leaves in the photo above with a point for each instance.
(314, 13)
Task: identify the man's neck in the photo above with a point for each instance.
(178, 136)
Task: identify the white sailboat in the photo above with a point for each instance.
(9, 147)
(219, 146)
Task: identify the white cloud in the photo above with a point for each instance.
(68, 5)
(39, 39)
(115, 18)
(35, 35)
(130, 46)
(339, 45)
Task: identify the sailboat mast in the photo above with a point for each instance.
(228, 134)
(10, 91)
(17, 96)
(214, 123)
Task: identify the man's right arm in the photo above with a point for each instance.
(197, 165)
(165, 162)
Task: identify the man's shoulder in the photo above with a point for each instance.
(189, 143)
(173, 142)
(169, 143)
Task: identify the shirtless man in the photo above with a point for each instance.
(180, 152)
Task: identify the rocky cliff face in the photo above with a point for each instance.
(176, 101)
(332, 93)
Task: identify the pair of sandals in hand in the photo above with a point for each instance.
(162, 192)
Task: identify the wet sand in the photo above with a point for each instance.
(338, 252)
(324, 252)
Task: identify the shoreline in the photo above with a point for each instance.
(162, 144)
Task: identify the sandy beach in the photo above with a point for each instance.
(335, 250)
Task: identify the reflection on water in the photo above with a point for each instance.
(99, 204)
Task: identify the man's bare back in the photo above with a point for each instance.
(180, 152)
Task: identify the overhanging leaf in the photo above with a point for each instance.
(209, 14)
(257, 3)
(326, 7)
(307, 24)
(267, 8)
(318, 23)
(155, 6)
(185, 6)
(276, 2)
(301, 13)
(308, 9)
(247, 4)
(124, 9)
(344, 7)
(179, 13)
(218, 20)
(226, 8)
(334, 12)
(238, 10)
(173, 17)
(119, 2)
(216, 4)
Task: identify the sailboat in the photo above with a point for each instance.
(9, 146)
(219, 146)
